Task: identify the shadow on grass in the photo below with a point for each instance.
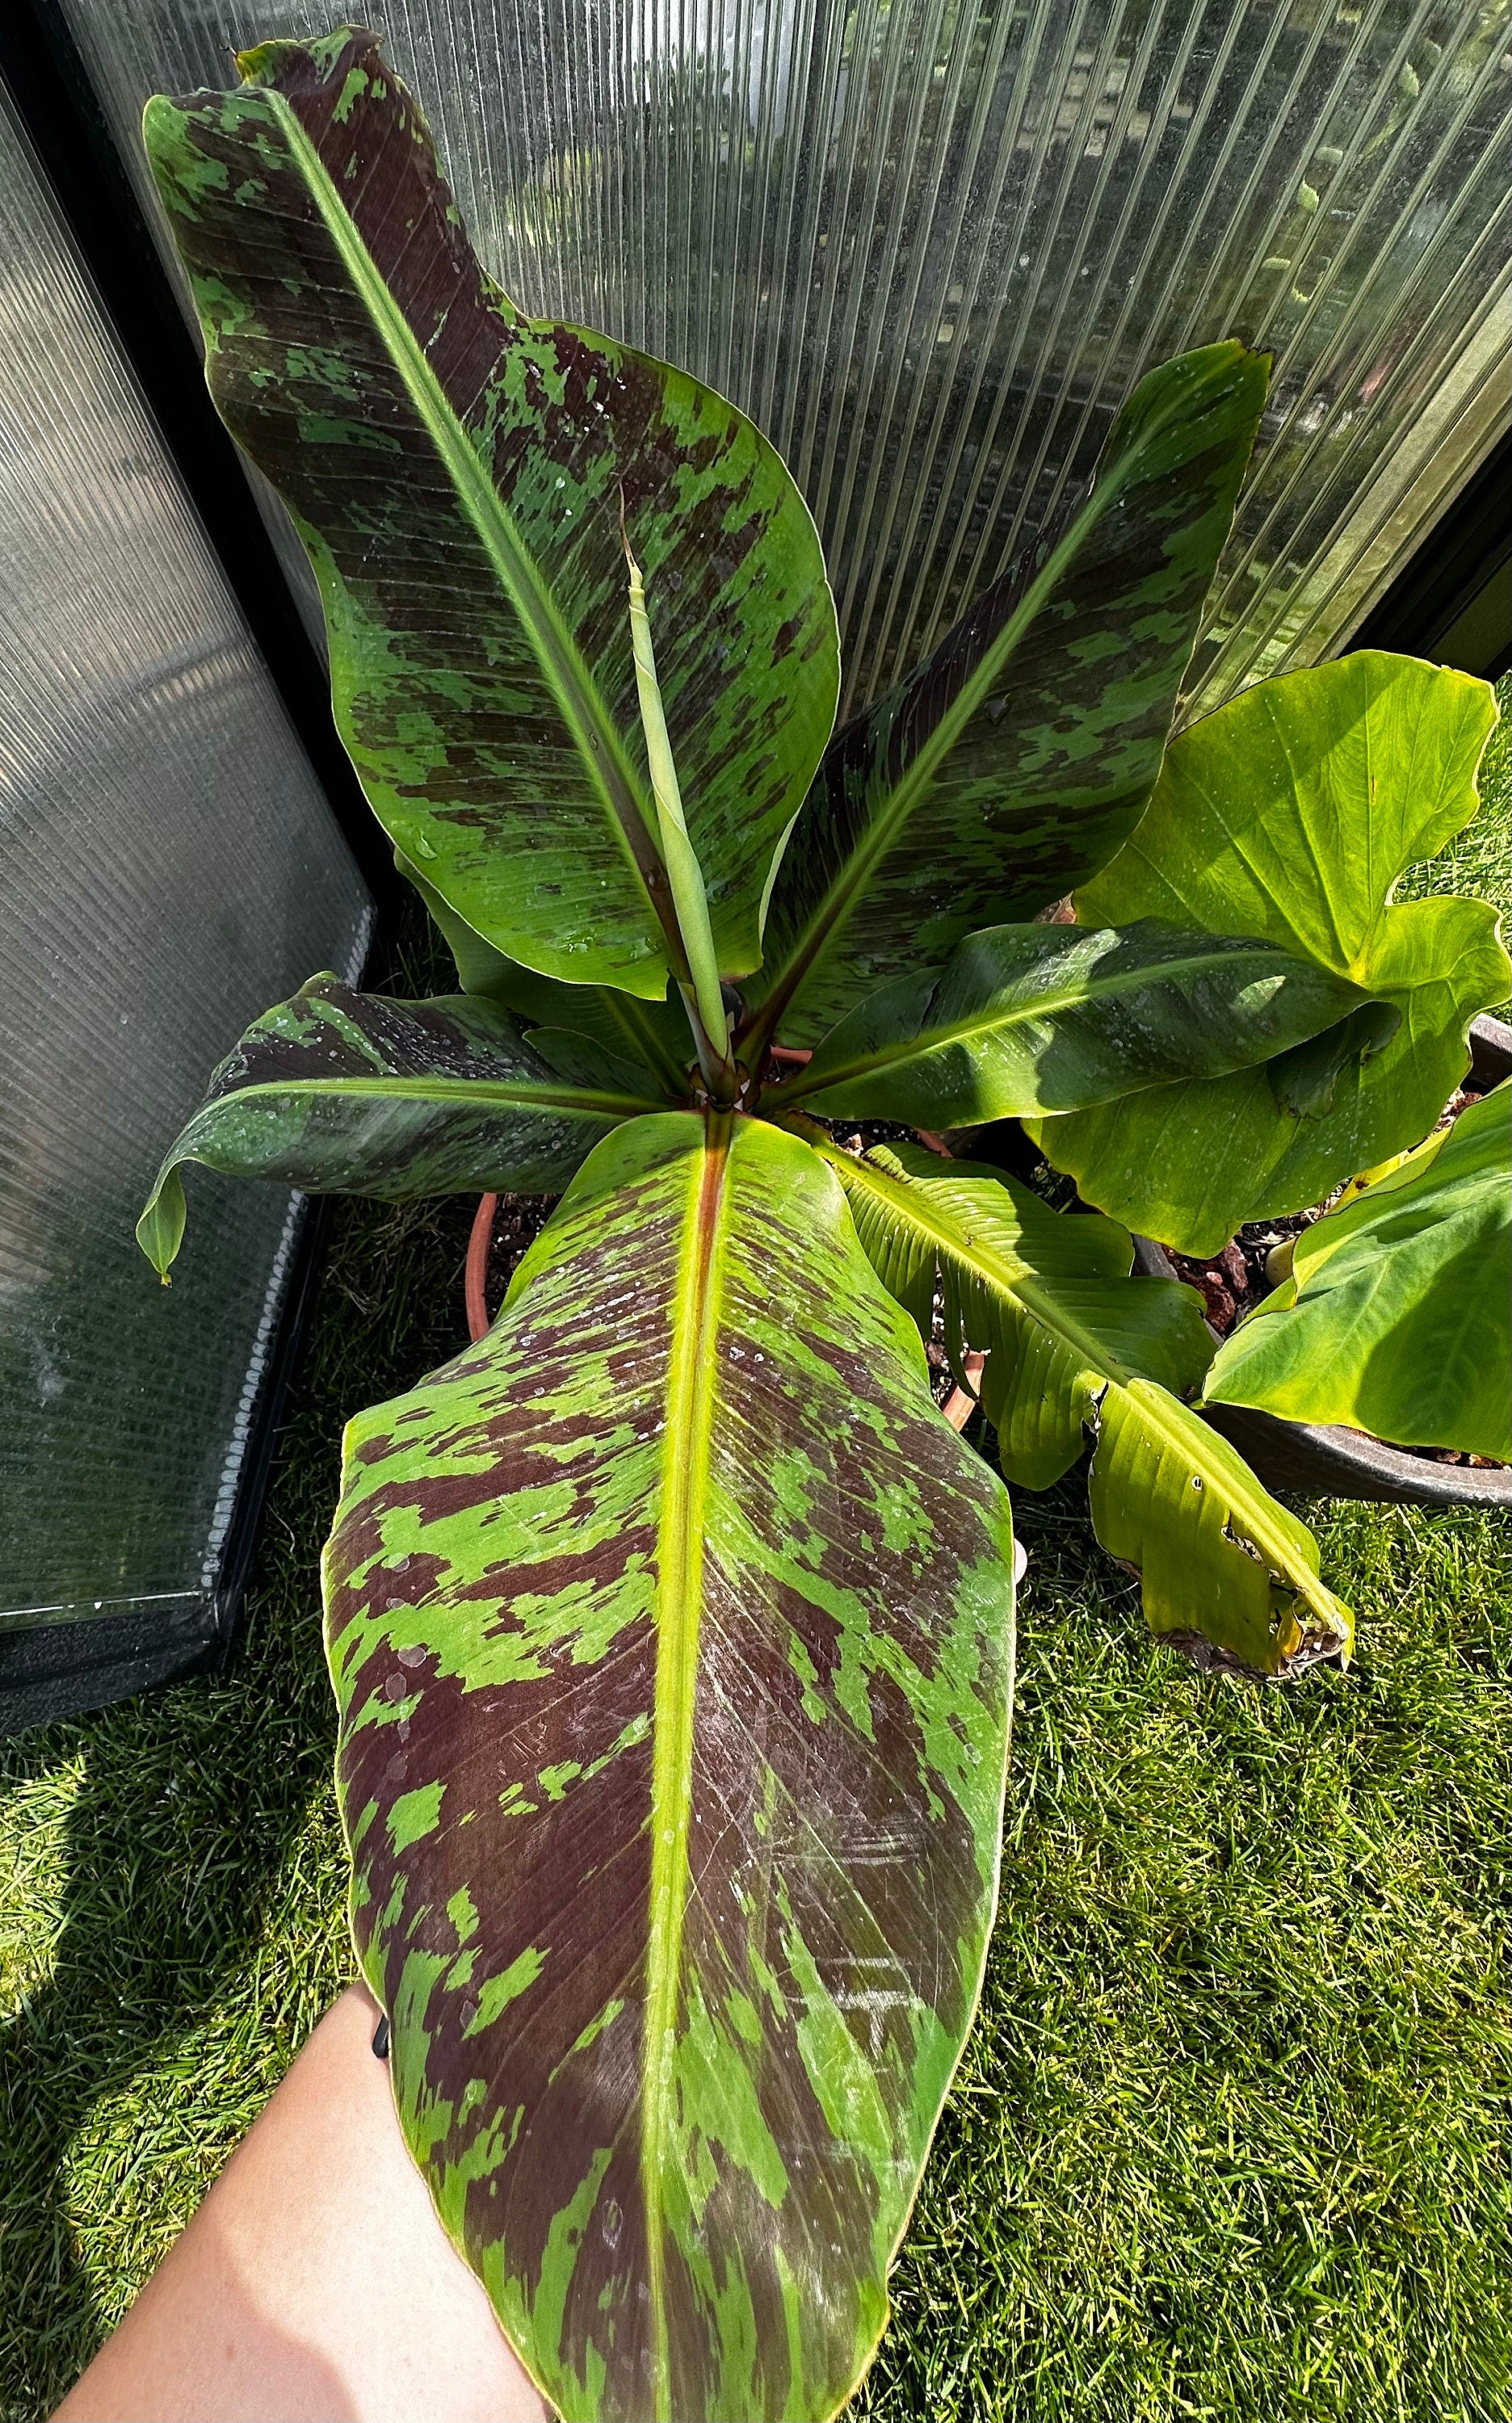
(191, 1877)
(193, 1862)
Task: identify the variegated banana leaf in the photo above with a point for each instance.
(1034, 1019)
(1397, 1316)
(1077, 1350)
(1291, 812)
(671, 1627)
(347, 1093)
(458, 472)
(653, 1034)
(1021, 754)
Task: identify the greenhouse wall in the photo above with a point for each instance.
(930, 247)
(171, 867)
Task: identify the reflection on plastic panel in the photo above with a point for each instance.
(170, 868)
(931, 247)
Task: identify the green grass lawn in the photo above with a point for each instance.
(1233, 2136)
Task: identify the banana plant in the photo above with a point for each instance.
(671, 1625)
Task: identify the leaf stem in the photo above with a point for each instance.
(702, 997)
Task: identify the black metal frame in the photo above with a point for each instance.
(65, 1670)
(1465, 563)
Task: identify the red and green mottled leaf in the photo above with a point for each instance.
(347, 1093)
(1030, 1019)
(457, 472)
(1020, 755)
(1291, 812)
(671, 1627)
(653, 1034)
(1077, 1350)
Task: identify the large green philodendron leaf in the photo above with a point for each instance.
(348, 1093)
(458, 472)
(1397, 1318)
(1027, 1018)
(653, 1034)
(672, 1631)
(1290, 813)
(1020, 755)
(1076, 1348)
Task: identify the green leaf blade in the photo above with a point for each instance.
(1398, 1318)
(1077, 1351)
(1029, 1019)
(1220, 1561)
(1021, 754)
(1290, 813)
(672, 1632)
(339, 1092)
(455, 471)
(652, 1034)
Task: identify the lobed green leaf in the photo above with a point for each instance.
(1290, 813)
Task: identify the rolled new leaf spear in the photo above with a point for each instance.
(703, 997)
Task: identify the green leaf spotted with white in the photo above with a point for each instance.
(671, 1627)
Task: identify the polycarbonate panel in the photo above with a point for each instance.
(931, 247)
(167, 868)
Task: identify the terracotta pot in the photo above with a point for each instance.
(1325, 1460)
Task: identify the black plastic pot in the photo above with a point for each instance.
(1326, 1460)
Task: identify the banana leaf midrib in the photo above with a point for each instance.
(994, 1270)
(689, 898)
(481, 1092)
(692, 1380)
(828, 918)
(599, 741)
(927, 1040)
